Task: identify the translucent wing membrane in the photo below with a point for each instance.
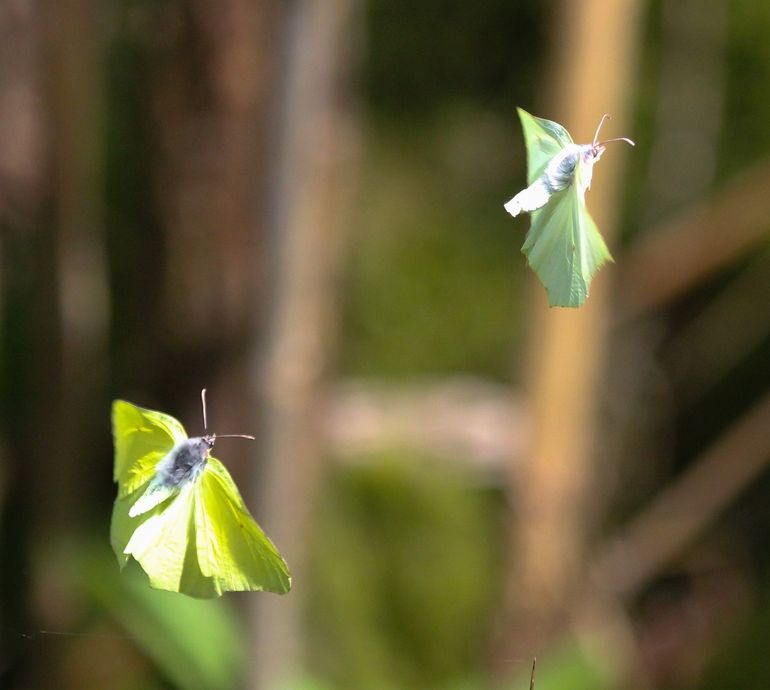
(205, 542)
(232, 548)
(543, 139)
(142, 437)
(155, 493)
(161, 543)
(565, 249)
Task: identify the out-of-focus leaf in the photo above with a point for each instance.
(195, 644)
(302, 683)
(404, 574)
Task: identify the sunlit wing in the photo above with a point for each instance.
(564, 248)
(142, 437)
(164, 545)
(159, 544)
(231, 547)
(543, 139)
(155, 493)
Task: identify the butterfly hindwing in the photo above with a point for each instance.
(564, 248)
(232, 548)
(160, 543)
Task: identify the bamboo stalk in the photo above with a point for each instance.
(315, 141)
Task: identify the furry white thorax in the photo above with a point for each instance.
(182, 465)
(559, 174)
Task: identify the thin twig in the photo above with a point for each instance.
(683, 252)
(683, 509)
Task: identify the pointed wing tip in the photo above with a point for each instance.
(118, 403)
(523, 115)
(288, 585)
(282, 590)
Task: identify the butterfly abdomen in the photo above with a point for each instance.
(558, 175)
(560, 171)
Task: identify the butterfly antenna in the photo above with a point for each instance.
(607, 141)
(251, 438)
(203, 402)
(605, 117)
(532, 676)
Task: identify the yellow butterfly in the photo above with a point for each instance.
(179, 514)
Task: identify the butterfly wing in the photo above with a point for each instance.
(543, 139)
(142, 437)
(160, 543)
(231, 547)
(564, 247)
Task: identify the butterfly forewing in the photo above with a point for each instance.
(142, 437)
(543, 139)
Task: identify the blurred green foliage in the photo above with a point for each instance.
(745, 135)
(194, 643)
(405, 561)
(434, 281)
(424, 55)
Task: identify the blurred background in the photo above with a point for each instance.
(298, 205)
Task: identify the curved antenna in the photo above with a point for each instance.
(205, 423)
(605, 117)
(203, 402)
(596, 141)
(607, 141)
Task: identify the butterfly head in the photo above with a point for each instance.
(593, 152)
(200, 446)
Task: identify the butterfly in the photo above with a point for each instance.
(179, 514)
(563, 245)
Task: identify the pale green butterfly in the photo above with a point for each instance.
(179, 514)
(563, 245)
